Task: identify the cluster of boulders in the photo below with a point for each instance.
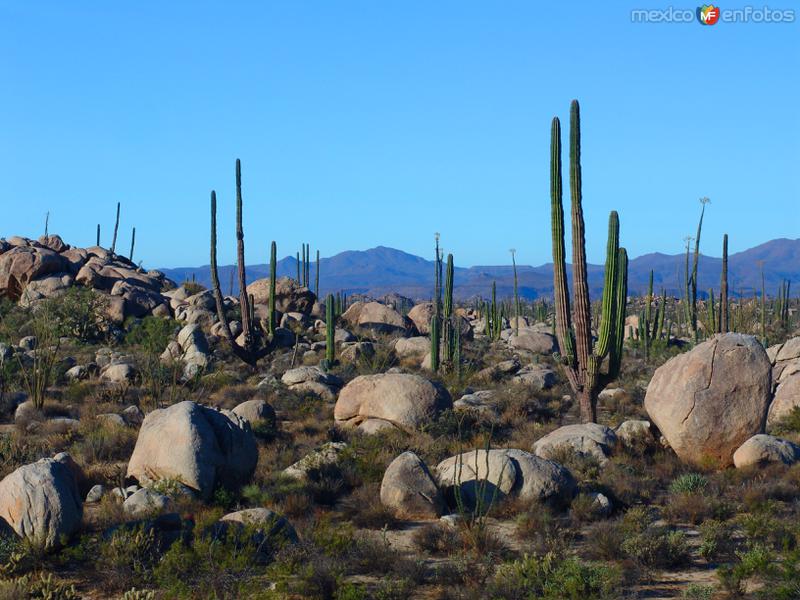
(390, 401)
(33, 270)
(473, 479)
(712, 404)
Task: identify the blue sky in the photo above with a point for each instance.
(364, 123)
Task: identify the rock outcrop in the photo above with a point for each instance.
(196, 445)
(708, 401)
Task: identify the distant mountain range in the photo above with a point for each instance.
(379, 271)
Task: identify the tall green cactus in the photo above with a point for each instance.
(723, 288)
(116, 228)
(436, 319)
(98, 236)
(580, 358)
(693, 278)
(447, 317)
(273, 278)
(133, 243)
(435, 342)
(330, 331)
(253, 347)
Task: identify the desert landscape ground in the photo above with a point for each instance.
(168, 438)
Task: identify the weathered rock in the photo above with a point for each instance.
(22, 264)
(289, 295)
(95, 494)
(145, 503)
(761, 449)
(41, 502)
(412, 347)
(536, 376)
(270, 526)
(382, 318)
(355, 351)
(256, 411)
(408, 489)
(306, 374)
(478, 475)
(787, 398)
(421, 314)
(586, 439)
(118, 373)
(326, 455)
(533, 341)
(46, 286)
(26, 412)
(407, 401)
(633, 433)
(708, 401)
(541, 480)
(111, 420)
(481, 402)
(205, 447)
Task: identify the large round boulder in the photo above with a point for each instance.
(533, 341)
(541, 480)
(708, 401)
(22, 264)
(197, 445)
(41, 501)
(409, 490)
(477, 476)
(381, 318)
(290, 296)
(421, 314)
(405, 401)
(583, 439)
(761, 449)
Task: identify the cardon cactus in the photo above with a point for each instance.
(579, 356)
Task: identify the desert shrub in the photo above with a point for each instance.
(551, 577)
(625, 483)
(46, 587)
(716, 540)
(763, 527)
(192, 287)
(789, 423)
(82, 313)
(695, 591)
(364, 509)
(216, 563)
(657, 547)
(437, 539)
(541, 526)
(127, 558)
(687, 508)
(304, 571)
(584, 509)
(689, 483)
(604, 541)
(101, 442)
(150, 333)
(757, 561)
(584, 467)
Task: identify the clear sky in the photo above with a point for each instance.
(379, 122)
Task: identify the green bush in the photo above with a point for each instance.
(128, 557)
(550, 577)
(657, 547)
(689, 483)
(716, 540)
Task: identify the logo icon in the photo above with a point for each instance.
(708, 14)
